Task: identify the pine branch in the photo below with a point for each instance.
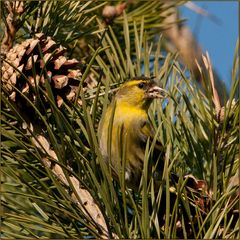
(80, 195)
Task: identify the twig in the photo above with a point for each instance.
(194, 7)
(15, 10)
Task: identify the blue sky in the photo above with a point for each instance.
(219, 39)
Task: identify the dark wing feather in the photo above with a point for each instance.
(158, 151)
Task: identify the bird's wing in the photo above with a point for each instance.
(148, 132)
(158, 152)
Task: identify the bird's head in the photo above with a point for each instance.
(139, 92)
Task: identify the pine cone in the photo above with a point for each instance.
(47, 59)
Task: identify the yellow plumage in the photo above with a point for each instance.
(126, 128)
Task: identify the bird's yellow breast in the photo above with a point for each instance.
(128, 114)
(125, 131)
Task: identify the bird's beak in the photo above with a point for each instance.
(156, 92)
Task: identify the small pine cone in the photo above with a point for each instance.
(37, 60)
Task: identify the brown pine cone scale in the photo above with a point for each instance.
(41, 59)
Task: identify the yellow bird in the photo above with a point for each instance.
(125, 129)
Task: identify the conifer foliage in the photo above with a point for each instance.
(61, 63)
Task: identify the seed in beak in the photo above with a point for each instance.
(156, 92)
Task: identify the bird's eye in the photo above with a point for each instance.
(141, 85)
